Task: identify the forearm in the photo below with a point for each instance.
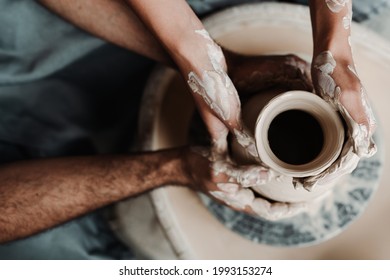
(113, 21)
(331, 27)
(178, 29)
(39, 194)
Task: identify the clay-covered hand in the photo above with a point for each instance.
(201, 63)
(336, 80)
(253, 73)
(215, 95)
(229, 184)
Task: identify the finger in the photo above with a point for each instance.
(253, 176)
(345, 164)
(350, 99)
(362, 113)
(353, 104)
(218, 133)
(322, 69)
(247, 141)
(225, 170)
(357, 105)
(371, 121)
(276, 210)
(230, 188)
(360, 133)
(239, 200)
(245, 176)
(219, 127)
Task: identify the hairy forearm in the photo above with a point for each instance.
(331, 26)
(113, 21)
(39, 194)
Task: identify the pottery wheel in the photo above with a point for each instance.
(174, 222)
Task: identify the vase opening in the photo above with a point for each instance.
(298, 134)
(295, 137)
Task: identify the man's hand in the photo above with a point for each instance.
(253, 74)
(36, 195)
(229, 184)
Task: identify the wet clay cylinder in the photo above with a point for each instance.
(297, 135)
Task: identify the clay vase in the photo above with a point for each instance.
(297, 135)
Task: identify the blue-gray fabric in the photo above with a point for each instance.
(86, 238)
(86, 108)
(35, 43)
(64, 92)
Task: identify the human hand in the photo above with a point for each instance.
(250, 74)
(336, 80)
(215, 95)
(202, 64)
(254, 73)
(219, 178)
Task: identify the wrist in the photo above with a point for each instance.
(175, 169)
(331, 30)
(332, 42)
(172, 168)
(197, 53)
(342, 57)
(136, 174)
(339, 47)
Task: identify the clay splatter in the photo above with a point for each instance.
(336, 5)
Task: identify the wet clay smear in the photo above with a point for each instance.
(295, 137)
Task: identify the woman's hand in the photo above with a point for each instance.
(250, 75)
(336, 80)
(216, 96)
(202, 64)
